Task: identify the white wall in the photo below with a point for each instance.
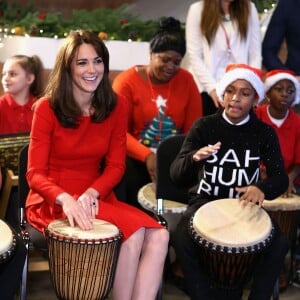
(149, 9)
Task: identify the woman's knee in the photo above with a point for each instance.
(135, 241)
(157, 239)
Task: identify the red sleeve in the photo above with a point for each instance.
(122, 86)
(38, 154)
(135, 149)
(115, 157)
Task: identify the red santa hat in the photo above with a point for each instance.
(241, 71)
(272, 77)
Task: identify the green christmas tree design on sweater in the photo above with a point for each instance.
(160, 127)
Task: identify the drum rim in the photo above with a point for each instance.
(236, 212)
(94, 241)
(291, 204)
(8, 252)
(52, 234)
(146, 204)
(258, 247)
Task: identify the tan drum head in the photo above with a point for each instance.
(101, 230)
(284, 204)
(147, 199)
(226, 222)
(6, 240)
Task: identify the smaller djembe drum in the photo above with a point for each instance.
(7, 242)
(231, 236)
(285, 211)
(82, 263)
(10, 147)
(147, 199)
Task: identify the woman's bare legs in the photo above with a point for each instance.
(140, 265)
(127, 266)
(149, 273)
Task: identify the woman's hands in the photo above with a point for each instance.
(90, 202)
(82, 210)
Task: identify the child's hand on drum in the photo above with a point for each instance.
(74, 211)
(206, 151)
(251, 194)
(290, 191)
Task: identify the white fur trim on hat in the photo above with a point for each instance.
(240, 73)
(273, 79)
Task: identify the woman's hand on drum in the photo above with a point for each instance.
(151, 166)
(251, 194)
(74, 211)
(206, 151)
(89, 202)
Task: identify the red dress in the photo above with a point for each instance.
(68, 160)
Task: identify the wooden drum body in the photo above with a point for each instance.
(82, 263)
(7, 242)
(231, 237)
(285, 211)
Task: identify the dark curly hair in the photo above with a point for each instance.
(169, 36)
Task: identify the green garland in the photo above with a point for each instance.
(263, 5)
(111, 24)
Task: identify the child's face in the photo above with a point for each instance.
(282, 95)
(15, 80)
(239, 97)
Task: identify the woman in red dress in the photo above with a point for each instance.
(79, 126)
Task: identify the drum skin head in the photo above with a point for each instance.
(6, 237)
(232, 223)
(147, 199)
(101, 229)
(283, 204)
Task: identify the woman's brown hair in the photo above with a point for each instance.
(239, 11)
(60, 88)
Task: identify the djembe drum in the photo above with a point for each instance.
(231, 237)
(82, 263)
(7, 242)
(147, 199)
(10, 147)
(285, 211)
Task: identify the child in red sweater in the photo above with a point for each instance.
(283, 92)
(22, 84)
